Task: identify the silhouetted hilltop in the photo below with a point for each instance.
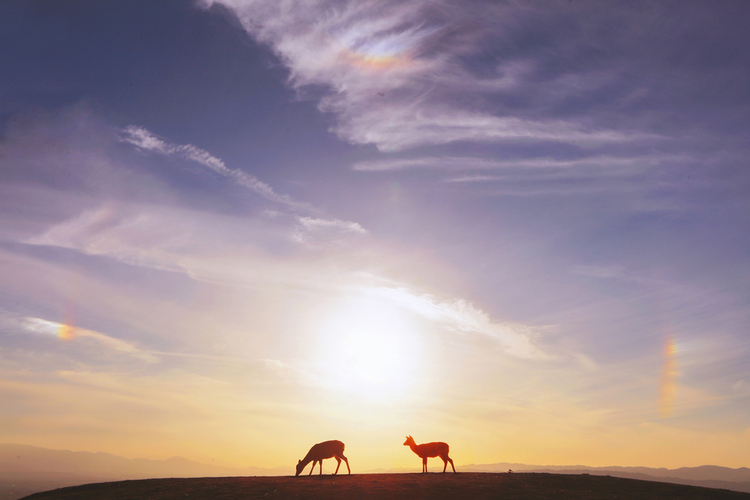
(435, 486)
(27, 469)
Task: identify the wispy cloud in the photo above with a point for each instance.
(398, 128)
(308, 227)
(315, 224)
(461, 316)
(129, 214)
(475, 178)
(69, 332)
(137, 235)
(145, 140)
(472, 163)
(312, 231)
(542, 176)
(396, 73)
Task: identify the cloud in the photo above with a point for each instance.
(315, 232)
(315, 224)
(221, 249)
(397, 74)
(73, 184)
(400, 128)
(203, 245)
(607, 162)
(600, 272)
(215, 248)
(145, 140)
(461, 316)
(70, 332)
(634, 177)
(475, 178)
(135, 234)
(308, 228)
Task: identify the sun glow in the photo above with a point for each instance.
(369, 346)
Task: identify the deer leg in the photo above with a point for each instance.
(424, 464)
(452, 466)
(445, 464)
(347, 463)
(312, 468)
(338, 464)
(321, 467)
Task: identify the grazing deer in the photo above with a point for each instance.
(430, 450)
(327, 449)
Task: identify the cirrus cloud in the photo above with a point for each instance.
(70, 332)
(396, 75)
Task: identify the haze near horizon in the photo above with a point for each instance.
(232, 229)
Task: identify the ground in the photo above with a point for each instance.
(432, 486)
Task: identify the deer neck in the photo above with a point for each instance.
(306, 460)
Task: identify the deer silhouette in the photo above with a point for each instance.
(425, 450)
(320, 451)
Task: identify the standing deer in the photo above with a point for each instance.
(430, 450)
(326, 449)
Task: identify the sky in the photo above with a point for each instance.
(231, 229)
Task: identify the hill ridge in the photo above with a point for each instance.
(435, 486)
(38, 469)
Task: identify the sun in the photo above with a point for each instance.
(370, 346)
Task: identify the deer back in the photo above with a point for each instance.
(326, 449)
(432, 449)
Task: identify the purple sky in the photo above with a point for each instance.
(232, 229)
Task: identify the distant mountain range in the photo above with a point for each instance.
(710, 476)
(30, 462)
(26, 469)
